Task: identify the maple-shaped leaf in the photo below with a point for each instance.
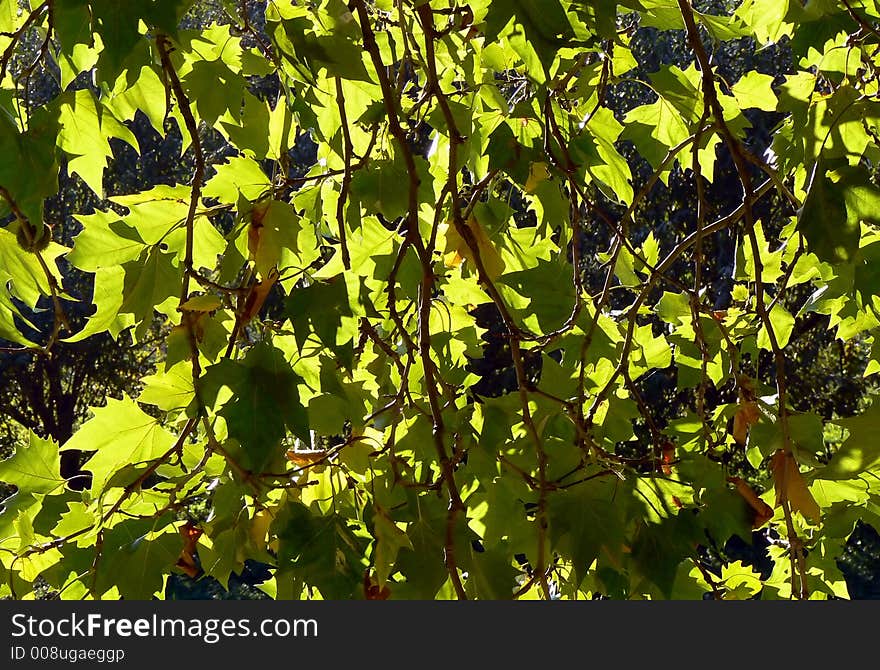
(136, 556)
(118, 25)
(754, 90)
(29, 169)
(35, 467)
(584, 521)
(226, 543)
(324, 310)
(535, 31)
(83, 139)
(22, 274)
(215, 90)
(265, 403)
(422, 565)
(169, 389)
(322, 550)
(107, 298)
(492, 575)
(121, 434)
(241, 175)
(658, 549)
(105, 241)
(151, 282)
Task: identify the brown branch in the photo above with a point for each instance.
(711, 102)
(126, 493)
(695, 301)
(163, 46)
(16, 36)
(346, 177)
(541, 510)
(863, 24)
(664, 266)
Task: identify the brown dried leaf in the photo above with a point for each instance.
(790, 486)
(187, 560)
(302, 458)
(667, 458)
(372, 590)
(257, 296)
(255, 229)
(747, 415)
(763, 511)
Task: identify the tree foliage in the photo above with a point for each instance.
(409, 369)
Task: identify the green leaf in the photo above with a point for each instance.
(120, 434)
(29, 170)
(107, 298)
(169, 390)
(782, 323)
(390, 539)
(154, 213)
(105, 241)
(551, 281)
(229, 530)
(265, 403)
(323, 309)
(8, 326)
(754, 90)
(278, 233)
(837, 201)
(34, 468)
(21, 272)
(144, 93)
(655, 129)
(422, 565)
(24, 530)
(118, 26)
(542, 29)
(239, 176)
(336, 51)
(492, 575)
(321, 550)
(583, 521)
(861, 450)
(766, 18)
(380, 188)
(81, 137)
(215, 90)
(610, 168)
(658, 549)
(136, 556)
(152, 282)
(76, 519)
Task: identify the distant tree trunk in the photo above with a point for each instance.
(43, 406)
(63, 419)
